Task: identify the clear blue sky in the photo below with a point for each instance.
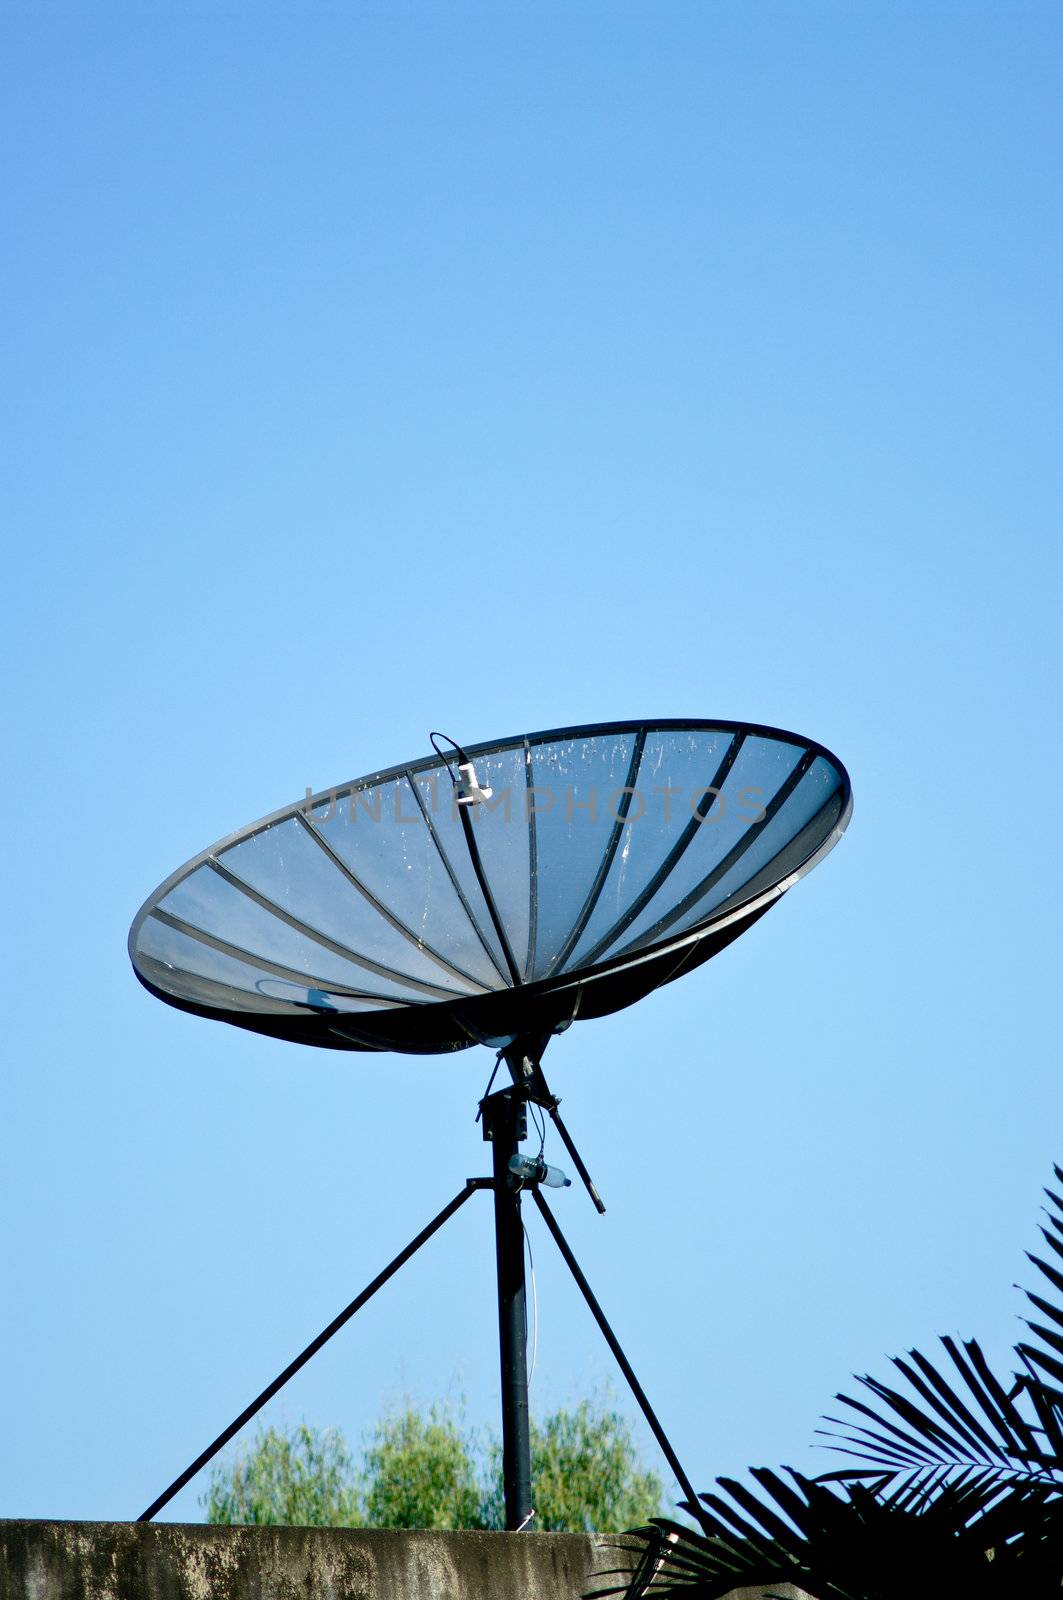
(375, 368)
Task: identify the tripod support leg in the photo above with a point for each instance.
(614, 1345)
(314, 1346)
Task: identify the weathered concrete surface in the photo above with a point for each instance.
(175, 1561)
(171, 1561)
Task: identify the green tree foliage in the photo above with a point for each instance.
(426, 1471)
(304, 1477)
(586, 1474)
(421, 1472)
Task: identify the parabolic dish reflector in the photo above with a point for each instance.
(617, 856)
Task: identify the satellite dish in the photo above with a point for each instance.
(493, 896)
(611, 859)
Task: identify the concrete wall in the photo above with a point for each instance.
(174, 1561)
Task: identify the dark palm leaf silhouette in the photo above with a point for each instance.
(960, 1414)
(955, 1485)
(1046, 1360)
(970, 1536)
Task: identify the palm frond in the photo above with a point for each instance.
(972, 1535)
(954, 1485)
(955, 1417)
(1044, 1358)
(959, 1414)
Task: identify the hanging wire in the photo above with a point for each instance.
(535, 1309)
(540, 1125)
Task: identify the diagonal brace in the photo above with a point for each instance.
(471, 1185)
(614, 1344)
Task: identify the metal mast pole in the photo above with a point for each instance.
(505, 1125)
